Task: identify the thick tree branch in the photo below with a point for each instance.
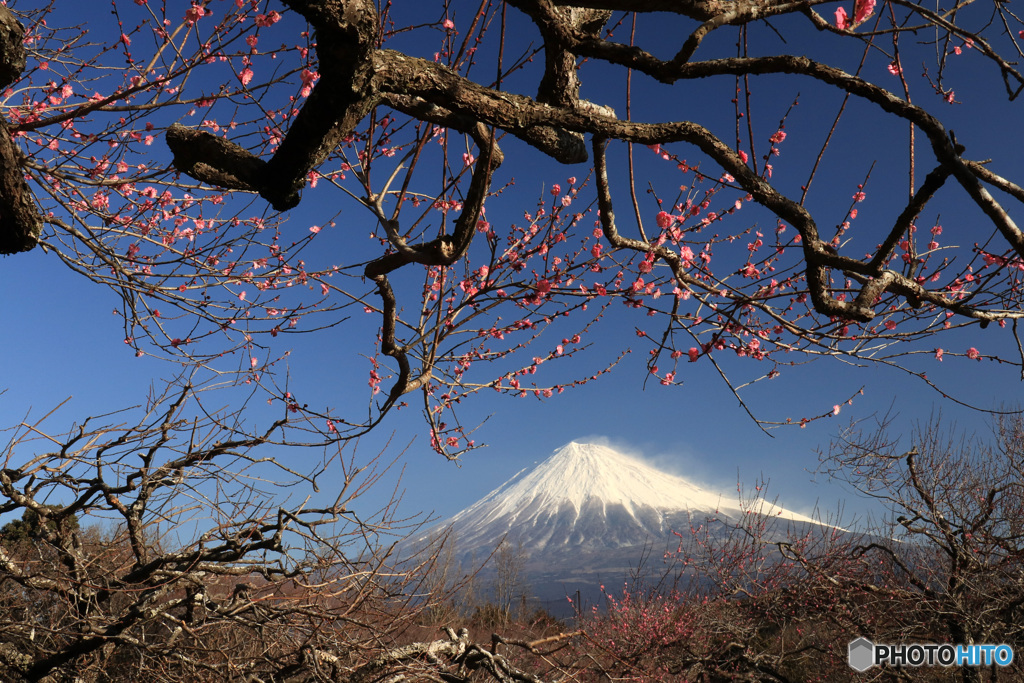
(20, 220)
(346, 33)
(702, 10)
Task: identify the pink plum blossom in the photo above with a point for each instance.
(862, 9)
(195, 13)
(842, 21)
(309, 78)
(269, 19)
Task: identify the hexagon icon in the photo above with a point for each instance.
(862, 653)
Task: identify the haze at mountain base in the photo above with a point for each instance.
(589, 515)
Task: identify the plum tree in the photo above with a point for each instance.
(242, 171)
(342, 100)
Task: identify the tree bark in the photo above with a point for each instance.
(20, 221)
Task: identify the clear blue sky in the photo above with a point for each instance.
(61, 340)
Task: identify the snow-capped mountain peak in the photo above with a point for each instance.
(580, 472)
(590, 496)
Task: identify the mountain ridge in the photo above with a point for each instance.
(589, 516)
(589, 495)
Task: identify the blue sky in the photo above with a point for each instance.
(61, 339)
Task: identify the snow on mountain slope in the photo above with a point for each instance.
(587, 497)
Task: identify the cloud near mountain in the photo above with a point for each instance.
(588, 512)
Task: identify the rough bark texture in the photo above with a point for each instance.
(20, 222)
(12, 48)
(346, 33)
(214, 160)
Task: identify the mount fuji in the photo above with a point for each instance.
(588, 514)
